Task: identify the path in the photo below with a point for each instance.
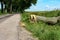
(4, 17)
(8, 28)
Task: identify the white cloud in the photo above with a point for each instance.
(49, 7)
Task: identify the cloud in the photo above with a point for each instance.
(49, 7)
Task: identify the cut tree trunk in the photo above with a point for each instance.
(58, 18)
(51, 20)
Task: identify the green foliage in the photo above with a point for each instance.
(42, 30)
(18, 5)
(24, 4)
(3, 13)
(48, 13)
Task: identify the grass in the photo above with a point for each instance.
(40, 29)
(3, 13)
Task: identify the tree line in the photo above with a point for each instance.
(16, 5)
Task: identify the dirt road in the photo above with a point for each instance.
(10, 29)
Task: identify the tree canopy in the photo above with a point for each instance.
(17, 5)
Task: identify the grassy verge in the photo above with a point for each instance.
(3, 13)
(40, 29)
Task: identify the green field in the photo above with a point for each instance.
(40, 29)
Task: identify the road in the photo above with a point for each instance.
(4, 17)
(8, 28)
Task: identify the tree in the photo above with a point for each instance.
(8, 5)
(24, 4)
(17, 5)
(1, 6)
(21, 5)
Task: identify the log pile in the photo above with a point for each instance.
(51, 20)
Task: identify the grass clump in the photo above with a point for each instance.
(40, 29)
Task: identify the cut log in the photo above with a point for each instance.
(58, 18)
(33, 18)
(51, 20)
(42, 18)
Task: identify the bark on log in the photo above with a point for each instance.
(58, 17)
(51, 20)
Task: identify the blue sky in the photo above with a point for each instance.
(0, 5)
(43, 5)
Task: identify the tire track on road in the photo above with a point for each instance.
(3, 18)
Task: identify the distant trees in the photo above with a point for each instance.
(16, 5)
(1, 5)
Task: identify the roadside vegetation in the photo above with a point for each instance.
(3, 13)
(40, 29)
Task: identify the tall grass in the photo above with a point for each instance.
(40, 29)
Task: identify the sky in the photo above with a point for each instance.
(43, 5)
(0, 5)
